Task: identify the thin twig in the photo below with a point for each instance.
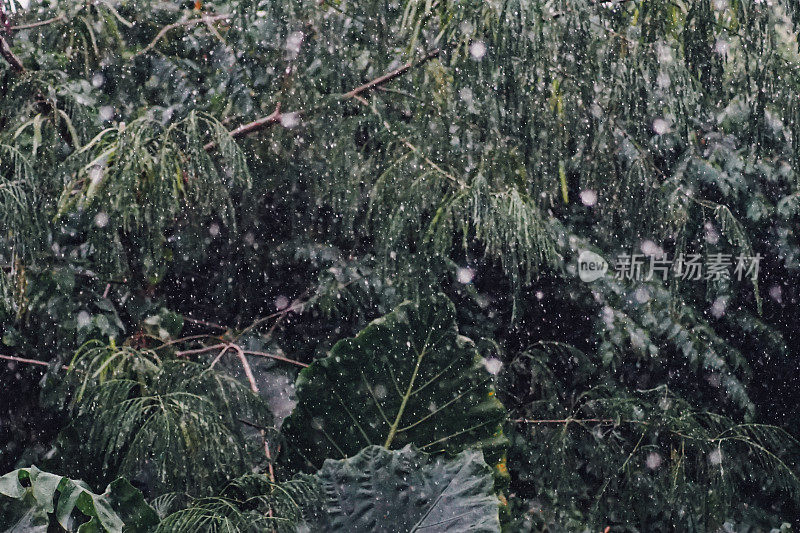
(61, 16)
(275, 116)
(219, 356)
(392, 75)
(276, 357)
(280, 314)
(217, 34)
(254, 387)
(28, 361)
(566, 421)
(250, 127)
(246, 366)
(184, 339)
(184, 353)
(168, 27)
(234, 346)
(205, 323)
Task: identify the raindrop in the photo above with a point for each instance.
(106, 113)
(715, 457)
(493, 365)
(718, 307)
(101, 219)
(660, 126)
(290, 120)
(281, 303)
(477, 50)
(653, 460)
(465, 275)
(83, 319)
(588, 197)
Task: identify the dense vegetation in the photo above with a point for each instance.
(312, 265)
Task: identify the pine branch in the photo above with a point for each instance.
(275, 116)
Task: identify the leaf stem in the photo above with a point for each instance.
(406, 396)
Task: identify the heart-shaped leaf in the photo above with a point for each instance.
(408, 377)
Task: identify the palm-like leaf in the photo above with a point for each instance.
(181, 430)
(249, 503)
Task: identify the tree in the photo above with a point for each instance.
(198, 200)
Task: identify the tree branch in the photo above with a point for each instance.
(8, 55)
(41, 22)
(275, 116)
(258, 124)
(234, 346)
(28, 361)
(168, 27)
(396, 73)
(275, 357)
(566, 421)
(254, 387)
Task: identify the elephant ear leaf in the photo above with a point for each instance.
(388, 491)
(407, 378)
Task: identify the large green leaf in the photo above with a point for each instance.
(38, 494)
(407, 491)
(408, 377)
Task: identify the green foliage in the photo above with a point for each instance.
(41, 499)
(665, 448)
(95, 363)
(134, 228)
(183, 427)
(405, 490)
(408, 377)
(248, 503)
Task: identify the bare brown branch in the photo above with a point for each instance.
(234, 346)
(28, 361)
(275, 116)
(57, 18)
(386, 78)
(8, 55)
(191, 22)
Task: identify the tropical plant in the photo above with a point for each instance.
(39, 499)
(289, 265)
(407, 378)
